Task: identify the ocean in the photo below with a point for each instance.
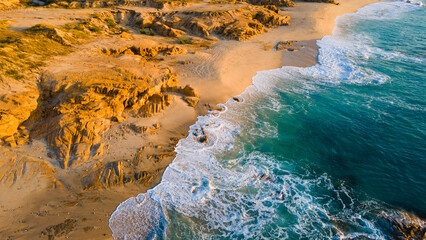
(324, 152)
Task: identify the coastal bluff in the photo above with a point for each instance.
(94, 99)
(96, 94)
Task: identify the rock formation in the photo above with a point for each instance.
(145, 51)
(60, 229)
(278, 3)
(238, 24)
(117, 173)
(162, 4)
(76, 111)
(157, 4)
(289, 46)
(405, 225)
(324, 1)
(17, 170)
(76, 103)
(15, 108)
(23, 53)
(8, 4)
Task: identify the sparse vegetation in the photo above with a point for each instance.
(21, 53)
(14, 74)
(185, 40)
(324, 1)
(3, 25)
(179, 1)
(111, 23)
(222, 2)
(147, 31)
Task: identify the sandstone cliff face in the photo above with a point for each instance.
(324, 1)
(59, 229)
(115, 174)
(278, 3)
(84, 124)
(157, 4)
(15, 108)
(70, 110)
(75, 112)
(85, 3)
(8, 4)
(163, 4)
(145, 51)
(15, 170)
(136, 170)
(22, 54)
(238, 24)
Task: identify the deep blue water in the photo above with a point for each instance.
(311, 153)
(368, 136)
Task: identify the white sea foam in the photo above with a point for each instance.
(239, 197)
(340, 54)
(236, 198)
(383, 10)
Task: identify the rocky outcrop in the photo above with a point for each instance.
(162, 4)
(18, 169)
(115, 174)
(145, 51)
(84, 3)
(143, 129)
(238, 24)
(101, 23)
(186, 91)
(285, 3)
(60, 229)
(192, 101)
(136, 170)
(285, 45)
(22, 55)
(405, 225)
(324, 1)
(53, 33)
(278, 3)
(15, 108)
(141, 169)
(9, 4)
(76, 112)
(289, 46)
(164, 30)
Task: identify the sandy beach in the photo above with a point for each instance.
(31, 208)
(234, 64)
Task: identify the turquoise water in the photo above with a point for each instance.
(311, 153)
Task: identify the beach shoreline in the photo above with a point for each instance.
(217, 74)
(310, 22)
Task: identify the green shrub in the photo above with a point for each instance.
(185, 41)
(110, 22)
(14, 74)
